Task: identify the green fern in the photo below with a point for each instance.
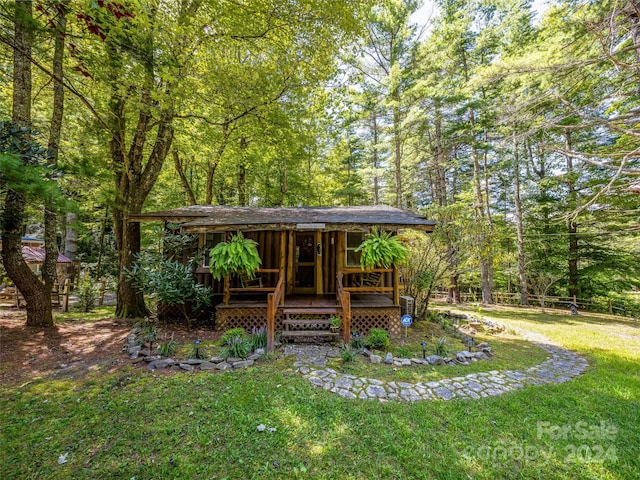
(381, 249)
(237, 255)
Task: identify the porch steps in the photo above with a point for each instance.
(308, 323)
(307, 334)
(310, 311)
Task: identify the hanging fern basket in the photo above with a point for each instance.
(238, 255)
(381, 249)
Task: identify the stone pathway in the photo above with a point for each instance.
(562, 366)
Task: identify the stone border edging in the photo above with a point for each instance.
(562, 366)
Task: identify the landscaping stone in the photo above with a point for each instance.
(165, 362)
(216, 359)
(260, 351)
(243, 364)
(388, 359)
(562, 366)
(186, 366)
(194, 361)
(435, 360)
(224, 366)
(405, 362)
(207, 366)
(233, 360)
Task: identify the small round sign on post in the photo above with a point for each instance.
(406, 321)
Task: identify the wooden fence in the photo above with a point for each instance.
(626, 308)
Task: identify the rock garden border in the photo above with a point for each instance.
(561, 366)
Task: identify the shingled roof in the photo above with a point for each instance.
(200, 218)
(36, 255)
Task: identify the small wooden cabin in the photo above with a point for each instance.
(310, 269)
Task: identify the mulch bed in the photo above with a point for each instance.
(71, 349)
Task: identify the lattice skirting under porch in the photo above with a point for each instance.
(362, 319)
(244, 317)
(387, 318)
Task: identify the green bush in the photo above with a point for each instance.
(168, 347)
(378, 339)
(357, 341)
(231, 334)
(442, 347)
(347, 354)
(258, 338)
(87, 296)
(403, 352)
(236, 347)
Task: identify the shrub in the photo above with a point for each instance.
(87, 296)
(168, 347)
(442, 347)
(403, 352)
(357, 342)
(433, 316)
(236, 347)
(258, 338)
(378, 339)
(231, 334)
(347, 354)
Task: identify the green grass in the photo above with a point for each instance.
(133, 423)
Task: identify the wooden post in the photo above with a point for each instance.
(396, 286)
(291, 255)
(227, 292)
(317, 253)
(346, 318)
(103, 287)
(271, 323)
(65, 295)
(610, 307)
(283, 262)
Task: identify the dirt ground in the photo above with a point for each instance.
(70, 349)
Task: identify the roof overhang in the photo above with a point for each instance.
(207, 218)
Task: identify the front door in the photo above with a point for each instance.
(305, 262)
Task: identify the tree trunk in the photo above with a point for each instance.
(71, 236)
(397, 156)
(376, 141)
(37, 296)
(522, 273)
(191, 198)
(572, 228)
(49, 271)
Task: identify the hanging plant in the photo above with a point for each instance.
(381, 249)
(238, 255)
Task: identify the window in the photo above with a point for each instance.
(210, 241)
(354, 239)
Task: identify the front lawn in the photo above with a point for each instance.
(132, 423)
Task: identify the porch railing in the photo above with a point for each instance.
(344, 301)
(273, 300)
(367, 288)
(228, 290)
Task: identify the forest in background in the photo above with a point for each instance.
(516, 132)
